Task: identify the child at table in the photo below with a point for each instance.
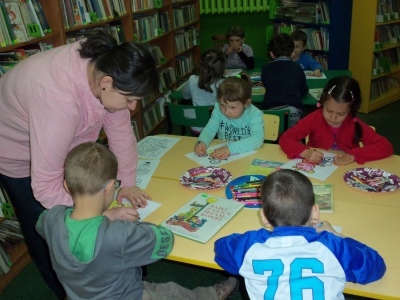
(334, 125)
(303, 59)
(300, 256)
(202, 87)
(98, 259)
(234, 118)
(238, 54)
(283, 79)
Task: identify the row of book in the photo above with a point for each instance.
(167, 78)
(140, 5)
(389, 34)
(185, 39)
(82, 12)
(150, 26)
(116, 31)
(10, 238)
(306, 12)
(146, 100)
(384, 61)
(157, 54)
(184, 15)
(20, 21)
(382, 85)
(153, 114)
(387, 10)
(184, 64)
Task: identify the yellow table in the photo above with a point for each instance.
(372, 219)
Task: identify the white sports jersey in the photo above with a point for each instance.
(297, 263)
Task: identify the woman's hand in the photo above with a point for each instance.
(343, 159)
(221, 153)
(135, 195)
(313, 156)
(122, 213)
(200, 148)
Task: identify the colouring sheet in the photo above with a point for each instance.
(143, 211)
(232, 72)
(206, 160)
(309, 75)
(144, 171)
(319, 171)
(154, 147)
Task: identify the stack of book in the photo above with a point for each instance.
(153, 114)
(167, 78)
(306, 12)
(10, 237)
(184, 15)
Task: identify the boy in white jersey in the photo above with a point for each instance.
(300, 258)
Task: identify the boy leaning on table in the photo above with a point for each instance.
(98, 259)
(300, 256)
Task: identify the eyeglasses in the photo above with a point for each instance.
(117, 183)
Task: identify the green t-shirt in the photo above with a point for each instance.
(82, 235)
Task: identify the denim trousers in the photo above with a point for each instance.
(28, 210)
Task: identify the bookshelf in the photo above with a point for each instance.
(176, 11)
(340, 12)
(366, 45)
(164, 40)
(19, 258)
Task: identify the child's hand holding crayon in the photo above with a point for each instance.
(200, 148)
(312, 155)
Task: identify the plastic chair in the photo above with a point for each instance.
(219, 40)
(187, 115)
(271, 127)
(284, 116)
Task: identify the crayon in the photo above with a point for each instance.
(248, 194)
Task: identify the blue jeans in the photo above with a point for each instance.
(28, 210)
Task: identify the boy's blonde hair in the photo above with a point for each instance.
(235, 88)
(88, 166)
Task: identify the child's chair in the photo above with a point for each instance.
(187, 115)
(271, 127)
(284, 119)
(219, 40)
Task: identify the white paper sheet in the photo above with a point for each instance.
(154, 147)
(309, 75)
(319, 171)
(144, 171)
(208, 161)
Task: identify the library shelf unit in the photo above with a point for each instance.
(19, 258)
(362, 52)
(53, 12)
(339, 30)
(166, 42)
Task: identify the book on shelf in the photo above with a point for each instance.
(7, 33)
(324, 197)
(202, 217)
(135, 129)
(17, 22)
(262, 167)
(5, 261)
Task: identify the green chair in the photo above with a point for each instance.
(284, 116)
(187, 115)
(271, 128)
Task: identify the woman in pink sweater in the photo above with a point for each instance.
(56, 100)
(335, 126)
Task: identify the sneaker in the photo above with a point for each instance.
(226, 288)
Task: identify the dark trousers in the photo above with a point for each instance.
(28, 210)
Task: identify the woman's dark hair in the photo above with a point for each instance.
(211, 69)
(344, 89)
(288, 198)
(281, 45)
(235, 88)
(235, 31)
(130, 65)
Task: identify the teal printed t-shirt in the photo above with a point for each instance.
(82, 235)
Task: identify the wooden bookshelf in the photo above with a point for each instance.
(362, 51)
(19, 258)
(53, 12)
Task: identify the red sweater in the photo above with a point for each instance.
(321, 136)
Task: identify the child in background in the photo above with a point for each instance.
(283, 79)
(234, 118)
(335, 126)
(303, 59)
(202, 87)
(307, 258)
(238, 54)
(98, 259)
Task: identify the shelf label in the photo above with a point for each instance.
(135, 38)
(34, 30)
(386, 17)
(159, 32)
(158, 3)
(7, 210)
(93, 17)
(163, 60)
(379, 18)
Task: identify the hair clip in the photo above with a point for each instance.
(355, 120)
(318, 104)
(332, 88)
(352, 96)
(239, 76)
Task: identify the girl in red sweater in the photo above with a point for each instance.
(334, 125)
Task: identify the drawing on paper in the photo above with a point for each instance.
(154, 147)
(144, 171)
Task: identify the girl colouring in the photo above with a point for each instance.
(202, 87)
(334, 125)
(233, 118)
